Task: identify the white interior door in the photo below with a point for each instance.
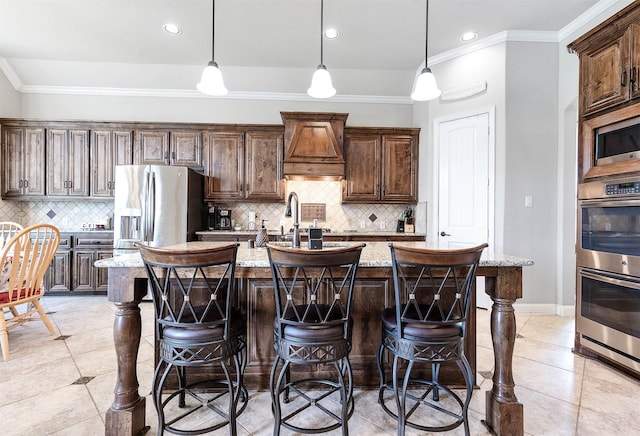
(465, 181)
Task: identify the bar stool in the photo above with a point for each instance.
(197, 326)
(428, 325)
(313, 292)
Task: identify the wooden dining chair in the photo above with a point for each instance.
(24, 261)
(8, 230)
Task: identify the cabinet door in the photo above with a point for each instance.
(263, 169)
(78, 176)
(23, 161)
(186, 149)
(12, 156)
(399, 169)
(83, 271)
(108, 149)
(58, 276)
(68, 162)
(102, 274)
(224, 166)
(152, 147)
(635, 61)
(604, 75)
(362, 170)
(58, 161)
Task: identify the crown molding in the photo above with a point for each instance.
(11, 75)
(587, 17)
(186, 93)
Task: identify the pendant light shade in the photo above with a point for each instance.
(426, 87)
(211, 82)
(321, 86)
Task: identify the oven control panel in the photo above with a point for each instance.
(622, 188)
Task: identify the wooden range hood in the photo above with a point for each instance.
(313, 145)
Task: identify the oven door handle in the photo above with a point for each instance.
(614, 279)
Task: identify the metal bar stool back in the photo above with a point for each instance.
(313, 293)
(427, 325)
(197, 325)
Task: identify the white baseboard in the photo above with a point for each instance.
(544, 309)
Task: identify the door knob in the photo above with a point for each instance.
(443, 233)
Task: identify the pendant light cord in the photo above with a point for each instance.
(426, 32)
(213, 29)
(321, 28)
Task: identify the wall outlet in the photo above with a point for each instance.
(383, 225)
(65, 222)
(362, 224)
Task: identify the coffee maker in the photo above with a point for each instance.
(220, 219)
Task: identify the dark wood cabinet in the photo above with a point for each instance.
(244, 166)
(67, 162)
(381, 166)
(88, 248)
(73, 270)
(23, 161)
(58, 276)
(108, 149)
(168, 147)
(610, 62)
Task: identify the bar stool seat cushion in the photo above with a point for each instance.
(205, 332)
(322, 312)
(419, 330)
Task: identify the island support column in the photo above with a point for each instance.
(504, 413)
(126, 416)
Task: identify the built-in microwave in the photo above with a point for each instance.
(618, 142)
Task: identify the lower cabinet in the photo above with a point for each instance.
(58, 276)
(73, 270)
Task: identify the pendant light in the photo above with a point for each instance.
(426, 87)
(321, 86)
(211, 82)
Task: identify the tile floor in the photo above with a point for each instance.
(64, 385)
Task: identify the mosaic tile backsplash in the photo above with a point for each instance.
(72, 215)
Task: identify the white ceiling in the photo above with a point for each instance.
(121, 43)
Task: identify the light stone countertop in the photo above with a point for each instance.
(375, 254)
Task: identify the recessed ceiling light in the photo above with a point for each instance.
(469, 36)
(331, 33)
(172, 29)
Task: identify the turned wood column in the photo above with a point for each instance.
(126, 416)
(504, 414)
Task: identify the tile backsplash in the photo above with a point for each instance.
(72, 214)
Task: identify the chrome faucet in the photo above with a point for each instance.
(295, 241)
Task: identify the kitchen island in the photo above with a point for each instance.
(374, 290)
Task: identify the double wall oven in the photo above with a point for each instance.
(608, 261)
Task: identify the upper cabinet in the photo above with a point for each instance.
(23, 161)
(108, 149)
(67, 162)
(610, 62)
(381, 166)
(244, 166)
(164, 147)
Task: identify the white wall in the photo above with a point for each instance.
(10, 99)
(205, 110)
(531, 167)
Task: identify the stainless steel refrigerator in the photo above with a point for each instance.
(157, 205)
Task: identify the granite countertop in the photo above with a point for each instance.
(375, 254)
(331, 233)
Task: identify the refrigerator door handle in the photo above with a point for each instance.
(145, 211)
(151, 223)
